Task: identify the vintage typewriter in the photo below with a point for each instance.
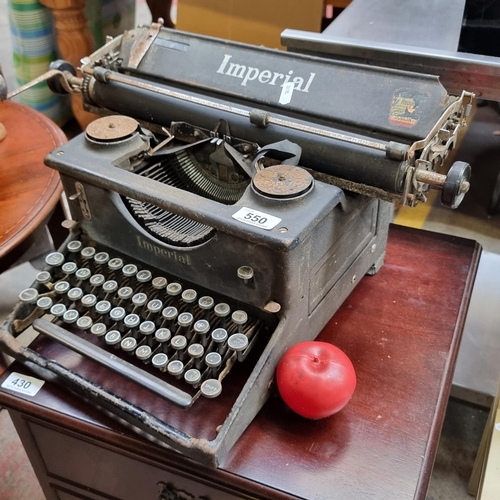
(223, 206)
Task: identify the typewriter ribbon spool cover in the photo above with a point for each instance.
(224, 206)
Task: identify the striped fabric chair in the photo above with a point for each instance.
(39, 27)
(34, 47)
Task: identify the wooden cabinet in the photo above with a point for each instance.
(78, 466)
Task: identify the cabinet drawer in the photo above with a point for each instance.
(104, 471)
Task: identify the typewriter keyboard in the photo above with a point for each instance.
(136, 313)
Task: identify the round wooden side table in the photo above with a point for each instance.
(29, 190)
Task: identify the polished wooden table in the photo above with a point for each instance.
(401, 328)
(29, 190)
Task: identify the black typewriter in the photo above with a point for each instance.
(225, 204)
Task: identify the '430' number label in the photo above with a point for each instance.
(23, 384)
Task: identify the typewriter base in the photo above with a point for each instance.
(403, 344)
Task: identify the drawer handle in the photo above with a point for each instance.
(170, 492)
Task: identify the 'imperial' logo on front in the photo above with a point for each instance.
(170, 254)
(266, 76)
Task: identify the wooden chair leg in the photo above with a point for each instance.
(74, 41)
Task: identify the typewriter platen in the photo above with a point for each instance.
(223, 207)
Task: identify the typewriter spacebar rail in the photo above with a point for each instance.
(112, 362)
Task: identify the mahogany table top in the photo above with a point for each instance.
(29, 190)
(401, 328)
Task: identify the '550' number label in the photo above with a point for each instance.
(256, 218)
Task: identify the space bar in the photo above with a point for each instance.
(120, 366)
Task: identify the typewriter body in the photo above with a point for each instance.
(223, 207)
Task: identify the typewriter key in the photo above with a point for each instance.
(29, 295)
(201, 329)
(75, 294)
(202, 326)
(192, 376)
(44, 277)
(159, 283)
(89, 300)
(98, 329)
(245, 273)
(103, 307)
(128, 344)
(175, 368)
(189, 295)
(44, 303)
(115, 264)
(83, 274)
(129, 270)
(54, 259)
(222, 311)
(71, 316)
(213, 360)
(211, 388)
(162, 336)
(195, 352)
(131, 321)
(74, 246)
(69, 268)
(160, 361)
(62, 287)
(101, 310)
(179, 344)
(125, 293)
(110, 286)
(84, 322)
(113, 337)
(185, 320)
(143, 352)
(139, 299)
(206, 303)
(239, 317)
(219, 337)
(117, 314)
(144, 276)
(96, 280)
(154, 306)
(87, 253)
(238, 343)
(58, 310)
(147, 328)
(169, 313)
(101, 258)
(174, 289)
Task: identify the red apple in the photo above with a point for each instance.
(315, 379)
